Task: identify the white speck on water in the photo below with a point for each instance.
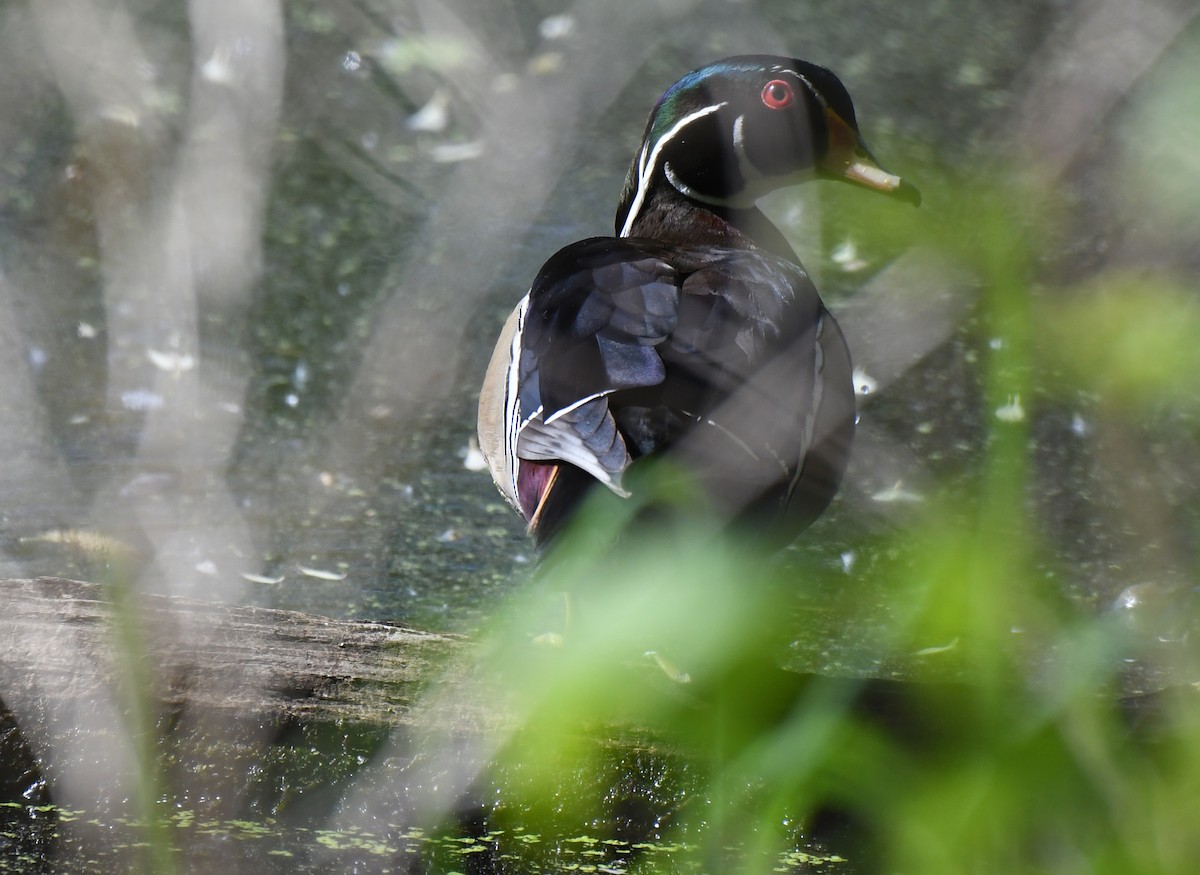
(261, 578)
(845, 256)
(171, 361)
(1080, 426)
(1012, 411)
(546, 63)
(291, 399)
(37, 357)
(141, 400)
(1129, 598)
(206, 566)
(86, 330)
(451, 153)
(996, 343)
(433, 117)
(556, 26)
(217, 68)
(897, 493)
(122, 115)
(473, 459)
(942, 648)
(972, 74)
(321, 574)
(848, 558)
(864, 383)
(352, 62)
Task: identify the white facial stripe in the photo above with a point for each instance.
(739, 143)
(749, 172)
(648, 162)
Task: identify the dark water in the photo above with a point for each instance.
(249, 373)
(340, 364)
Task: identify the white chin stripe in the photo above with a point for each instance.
(647, 164)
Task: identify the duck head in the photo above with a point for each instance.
(727, 134)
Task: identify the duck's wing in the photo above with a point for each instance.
(774, 425)
(589, 327)
(723, 358)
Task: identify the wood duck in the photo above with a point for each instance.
(694, 334)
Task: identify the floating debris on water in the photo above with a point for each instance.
(473, 459)
(148, 483)
(670, 669)
(141, 400)
(933, 651)
(452, 153)
(556, 26)
(895, 493)
(433, 117)
(218, 68)
(845, 255)
(864, 383)
(85, 542)
(1012, 411)
(546, 63)
(171, 362)
(321, 574)
(261, 578)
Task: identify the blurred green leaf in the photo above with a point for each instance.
(1132, 340)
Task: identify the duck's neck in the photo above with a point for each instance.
(670, 217)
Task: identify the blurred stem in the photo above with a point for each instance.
(1000, 559)
(140, 722)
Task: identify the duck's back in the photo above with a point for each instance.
(723, 359)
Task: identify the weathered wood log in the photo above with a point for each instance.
(65, 639)
(96, 681)
(97, 684)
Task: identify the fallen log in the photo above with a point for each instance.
(66, 639)
(108, 697)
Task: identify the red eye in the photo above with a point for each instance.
(778, 94)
